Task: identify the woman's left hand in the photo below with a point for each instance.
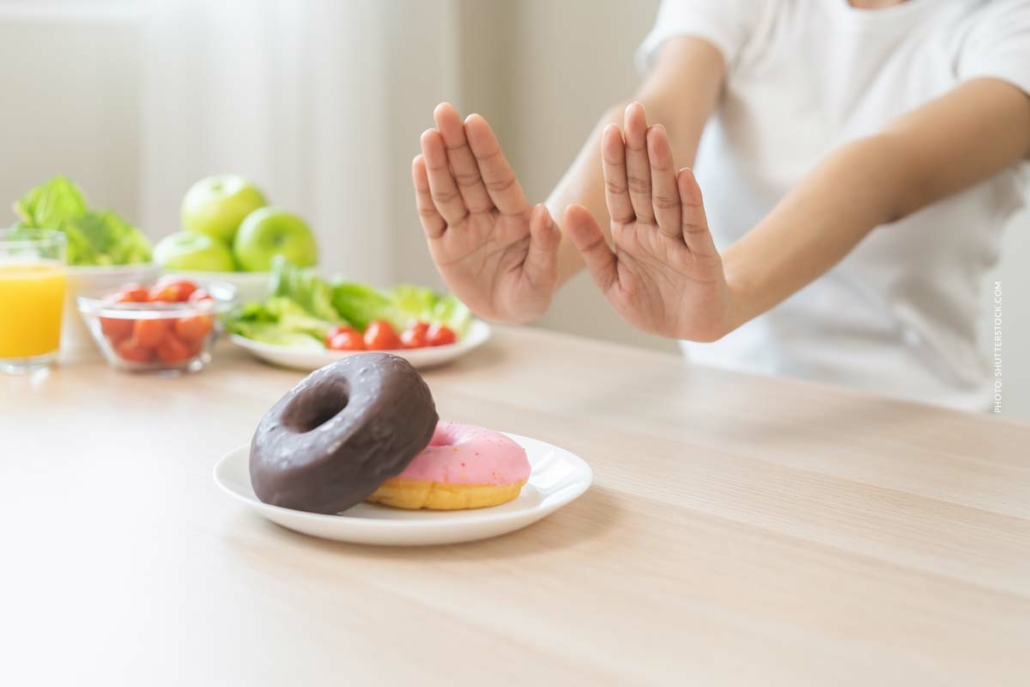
(664, 275)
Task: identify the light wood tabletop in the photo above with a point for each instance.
(740, 530)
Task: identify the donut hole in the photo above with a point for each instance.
(319, 405)
(444, 435)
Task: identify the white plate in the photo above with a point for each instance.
(314, 358)
(557, 478)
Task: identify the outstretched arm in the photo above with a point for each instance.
(664, 275)
(939, 149)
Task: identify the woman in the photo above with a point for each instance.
(825, 121)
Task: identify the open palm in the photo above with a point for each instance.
(662, 272)
(495, 251)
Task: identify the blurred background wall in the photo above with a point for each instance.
(82, 100)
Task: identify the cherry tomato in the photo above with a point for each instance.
(116, 329)
(132, 351)
(171, 290)
(381, 336)
(194, 327)
(347, 340)
(131, 293)
(149, 333)
(415, 336)
(193, 348)
(166, 279)
(441, 335)
(172, 350)
(200, 295)
(339, 329)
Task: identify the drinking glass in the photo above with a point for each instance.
(32, 288)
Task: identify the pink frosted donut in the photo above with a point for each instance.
(463, 467)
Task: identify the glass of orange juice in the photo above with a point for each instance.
(32, 286)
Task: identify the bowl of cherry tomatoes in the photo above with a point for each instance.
(169, 326)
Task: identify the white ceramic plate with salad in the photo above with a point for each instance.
(311, 358)
(308, 322)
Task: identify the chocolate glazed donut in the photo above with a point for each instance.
(345, 429)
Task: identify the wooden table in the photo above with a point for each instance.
(741, 530)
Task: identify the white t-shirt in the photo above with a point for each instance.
(899, 315)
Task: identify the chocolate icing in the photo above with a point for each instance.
(344, 430)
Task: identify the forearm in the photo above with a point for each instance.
(813, 227)
(583, 183)
(940, 149)
(680, 95)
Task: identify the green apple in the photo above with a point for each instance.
(216, 206)
(269, 232)
(194, 253)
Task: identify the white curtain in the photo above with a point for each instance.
(297, 95)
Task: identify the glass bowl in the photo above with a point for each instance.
(82, 281)
(170, 338)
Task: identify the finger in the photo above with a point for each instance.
(544, 239)
(665, 197)
(589, 240)
(695, 224)
(498, 176)
(616, 190)
(638, 169)
(442, 186)
(463, 162)
(432, 223)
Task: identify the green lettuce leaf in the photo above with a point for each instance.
(93, 237)
(359, 304)
(280, 321)
(305, 288)
(453, 313)
(411, 303)
(48, 206)
(270, 333)
(104, 238)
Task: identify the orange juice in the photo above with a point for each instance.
(31, 306)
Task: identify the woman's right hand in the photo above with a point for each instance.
(496, 252)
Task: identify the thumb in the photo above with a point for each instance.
(590, 241)
(544, 238)
(695, 224)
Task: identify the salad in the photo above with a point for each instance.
(94, 237)
(306, 311)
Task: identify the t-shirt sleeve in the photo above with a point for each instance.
(998, 44)
(726, 24)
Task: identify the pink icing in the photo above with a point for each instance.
(464, 454)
